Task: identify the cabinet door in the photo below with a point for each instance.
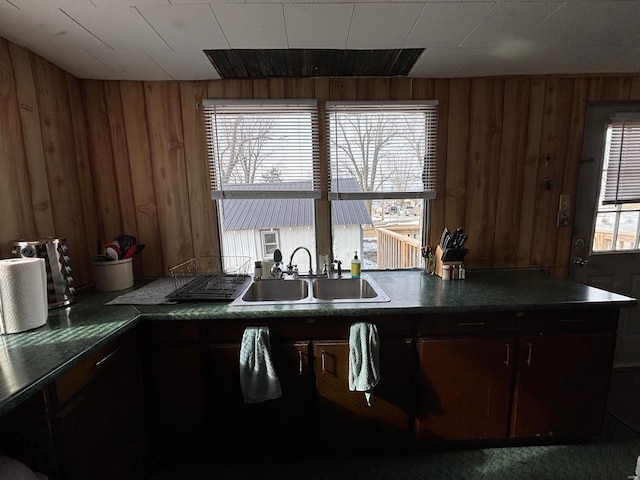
(271, 425)
(99, 433)
(465, 388)
(562, 385)
(178, 400)
(344, 416)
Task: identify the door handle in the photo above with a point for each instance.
(581, 261)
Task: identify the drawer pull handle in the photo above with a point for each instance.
(471, 324)
(572, 320)
(100, 362)
(528, 361)
(300, 362)
(508, 348)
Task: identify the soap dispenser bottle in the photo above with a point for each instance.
(355, 266)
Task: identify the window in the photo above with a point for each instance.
(269, 243)
(618, 211)
(382, 157)
(264, 170)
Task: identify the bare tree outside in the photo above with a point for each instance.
(249, 144)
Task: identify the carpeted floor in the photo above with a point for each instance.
(610, 456)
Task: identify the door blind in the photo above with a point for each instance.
(621, 181)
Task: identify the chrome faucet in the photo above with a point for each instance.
(290, 268)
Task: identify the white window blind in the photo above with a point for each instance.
(263, 148)
(622, 160)
(389, 148)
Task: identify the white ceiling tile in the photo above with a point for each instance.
(252, 25)
(317, 26)
(508, 21)
(131, 3)
(391, 23)
(446, 25)
(591, 24)
(119, 28)
(49, 29)
(186, 27)
(441, 62)
(82, 64)
(131, 64)
(495, 61)
(33, 5)
(181, 66)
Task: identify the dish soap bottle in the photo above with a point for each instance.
(355, 266)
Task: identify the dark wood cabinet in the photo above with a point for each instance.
(344, 417)
(97, 415)
(175, 390)
(562, 385)
(546, 376)
(281, 424)
(464, 388)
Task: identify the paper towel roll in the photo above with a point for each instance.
(23, 294)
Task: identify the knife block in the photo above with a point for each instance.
(440, 254)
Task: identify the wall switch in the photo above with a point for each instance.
(564, 210)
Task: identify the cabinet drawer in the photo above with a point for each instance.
(600, 320)
(457, 324)
(78, 376)
(169, 332)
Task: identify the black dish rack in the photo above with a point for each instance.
(211, 279)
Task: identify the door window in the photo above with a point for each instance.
(618, 210)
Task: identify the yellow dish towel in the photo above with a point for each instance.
(364, 368)
(258, 378)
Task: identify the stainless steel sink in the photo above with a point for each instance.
(276, 291)
(344, 289)
(311, 290)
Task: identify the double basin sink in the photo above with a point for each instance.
(311, 290)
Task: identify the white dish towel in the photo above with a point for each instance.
(258, 378)
(364, 368)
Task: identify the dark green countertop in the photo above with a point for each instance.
(31, 360)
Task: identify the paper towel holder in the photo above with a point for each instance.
(54, 251)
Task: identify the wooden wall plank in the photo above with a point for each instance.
(400, 88)
(101, 160)
(609, 88)
(372, 89)
(555, 129)
(164, 119)
(85, 179)
(60, 157)
(634, 89)
(530, 172)
(237, 89)
(485, 136)
(150, 261)
(32, 141)
(436, 219)
(120, 157)
(16, 208)
(204, 218)
(275, 89)
(510, 173)
(571, 170)
(299, 88)
(457, 156)
(342, 88)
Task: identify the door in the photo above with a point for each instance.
(617, 271)
(464, 388)
(562, 385)
(344, 417)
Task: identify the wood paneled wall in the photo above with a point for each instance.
(88, 159)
